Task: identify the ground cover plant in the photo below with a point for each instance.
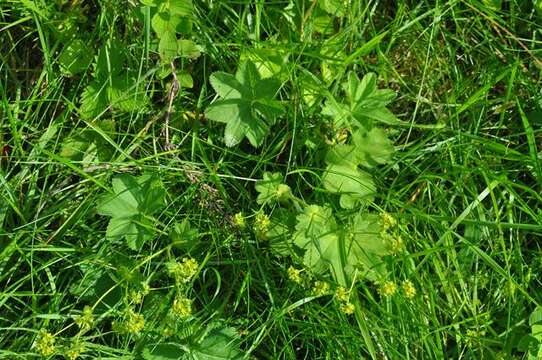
(186, 179)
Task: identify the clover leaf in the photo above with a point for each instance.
(131, 206)
(246, 104)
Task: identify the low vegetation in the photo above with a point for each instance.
(186, 179)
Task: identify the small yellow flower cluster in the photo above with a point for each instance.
(339, 137)
(261, 224)
(397, 244)
(387, 221)
(136, 296)
(45, 343)
(387, 232)
(389, 288)
(75, 350)
(320, 288)
(239, 220)
(168, 332)
(343, 296)
(295, 275)
(347, 308)
(183, 271)
(132, 324)
(475, 333)
(85, 321)
(409, 289)
(182, 307)
(474, 336)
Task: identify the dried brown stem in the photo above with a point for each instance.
(173, 91)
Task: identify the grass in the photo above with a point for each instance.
(464, 183)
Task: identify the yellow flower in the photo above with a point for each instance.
(167, 332)
(320, 288)
(387, 220)
(183, 271)
(388, 289)
(294, 275)
(348, 308)
(134, 322)
(397, 244)
(342, 294)
(261, 223)
(409, 289)
(136, 296)
(75, 350)
(182, 306)
(239, 220)
(45, 343)
(85, 321)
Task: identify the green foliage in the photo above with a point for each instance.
(131, 206)
(271, 188)
(270, 61)
(218, 343)
(366, 104)
(354, 185)
(369, 145)
(532, 343)
(88, 146)
(354, 248)
(113, 87)
(94, 101)
(365, 246)
(366, 236)
(342, 175)
(173, 17)
(333, 7)
(163, 352)
(184, 236)
(76, 57)
(246, 104)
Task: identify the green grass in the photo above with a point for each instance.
(464, 184)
